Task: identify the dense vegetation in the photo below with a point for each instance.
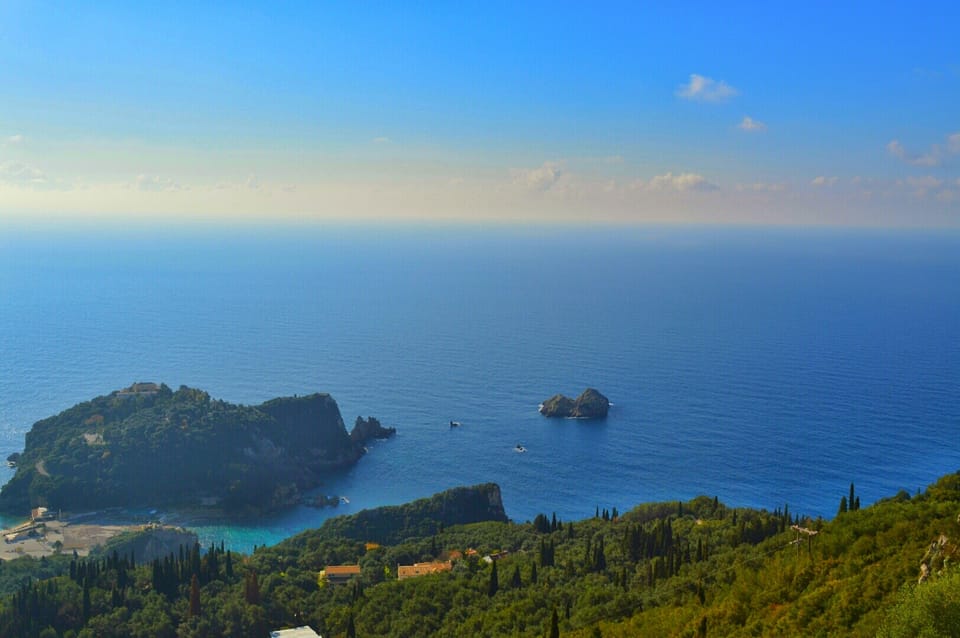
(148, 445)
(696, 568)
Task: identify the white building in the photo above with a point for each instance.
(299, 632)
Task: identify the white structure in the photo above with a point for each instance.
(299, 632)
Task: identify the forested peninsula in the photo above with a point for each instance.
(148, 445)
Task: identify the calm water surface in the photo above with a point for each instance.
(762, 366)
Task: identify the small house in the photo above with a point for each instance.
(339, 574)
(40, 514)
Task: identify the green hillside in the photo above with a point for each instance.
(697, 568)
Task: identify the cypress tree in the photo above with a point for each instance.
(86, 600)
(599, 558)
(533, 574)
(554, 625)
(494, 582)
(843, 505)
(851, 500)
(516, 582)
(351, 628)
(195, 560)
(194, 597)
(251, 589)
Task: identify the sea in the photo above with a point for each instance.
(766, 366)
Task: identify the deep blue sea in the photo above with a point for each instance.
(764, 366)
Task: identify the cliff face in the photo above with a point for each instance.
(424, 517)
(153, 541)
(148, 445)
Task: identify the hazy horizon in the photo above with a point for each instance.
(819, 115)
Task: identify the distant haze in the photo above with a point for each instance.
(815, 114)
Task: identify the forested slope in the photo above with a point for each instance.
(674, 569)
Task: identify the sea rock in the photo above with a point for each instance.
(589, 405)
(368, 430)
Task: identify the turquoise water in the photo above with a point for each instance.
(762, 366)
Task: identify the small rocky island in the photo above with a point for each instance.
(150, 446)
(367, 430)
(589, 405)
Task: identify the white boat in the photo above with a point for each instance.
(519, 448)
(455, 424)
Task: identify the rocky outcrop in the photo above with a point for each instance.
(367, 430)
(589, 405)
(148, 542)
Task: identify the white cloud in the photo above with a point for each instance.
(823, 180)
(927, 181)
(922, 185)
(540, 178)
(14, 140)
(682, 182)
(934, 157)
(953, 143)
(381, 140)
(751, 125)
(21, 174)
(704, 89)
(155, 183)
(761, 187)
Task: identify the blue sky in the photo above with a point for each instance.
(559, 112)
